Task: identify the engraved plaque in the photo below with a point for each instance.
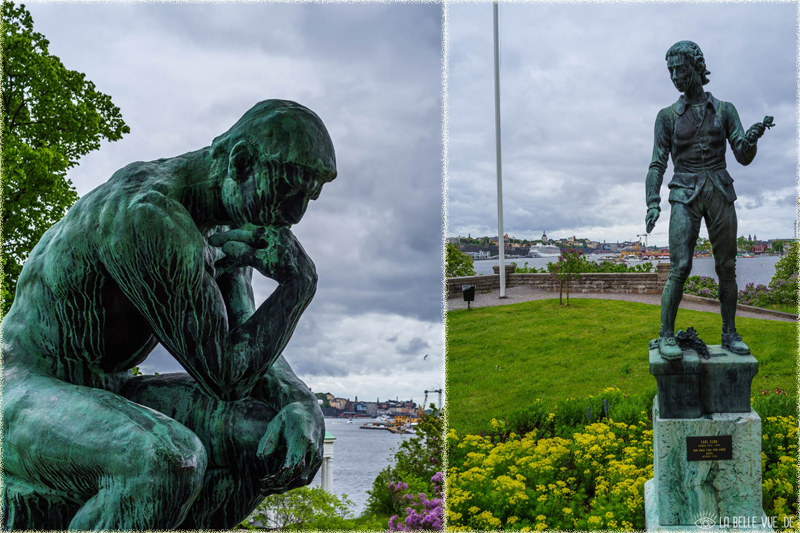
(715, 448)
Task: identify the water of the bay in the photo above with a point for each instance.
(758, 270)
(358, 457)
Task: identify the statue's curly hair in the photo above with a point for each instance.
(693, 53)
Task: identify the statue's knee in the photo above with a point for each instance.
(175, 465)
(678, 272)
(726, 270)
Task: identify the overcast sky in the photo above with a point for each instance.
(581, 86)
(183, 74)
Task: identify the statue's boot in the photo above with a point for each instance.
(670, 300)
(728, 294)
(669, 349)
(733, 342)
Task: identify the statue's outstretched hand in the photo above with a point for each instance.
(291, 448)
(650, 218)
(272, 251)
(756, 131)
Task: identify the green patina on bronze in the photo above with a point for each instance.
(693, 131)
(164, 252)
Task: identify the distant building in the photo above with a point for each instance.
(371, 408)
(544, 237)
(454, 240)
(481, 254)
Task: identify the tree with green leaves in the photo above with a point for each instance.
(324, 397)
(568, 268)
(300, 509)
(51, 117)
(457, 263)
(703, 245)
(741, 241)
(787, 265)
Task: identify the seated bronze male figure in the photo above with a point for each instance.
(150, 257)
(694, 131)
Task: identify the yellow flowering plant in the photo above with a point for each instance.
(588, 478)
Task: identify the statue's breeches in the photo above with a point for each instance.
(684, 226)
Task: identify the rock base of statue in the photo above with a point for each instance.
(694, 386)
(706, 445)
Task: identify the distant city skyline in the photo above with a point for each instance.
(577, 237)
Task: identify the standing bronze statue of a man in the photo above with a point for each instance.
(150, 257)
(693, 131)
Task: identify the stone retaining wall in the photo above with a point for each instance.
(628, 282)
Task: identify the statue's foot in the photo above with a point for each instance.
(733, 343)
(669, 349)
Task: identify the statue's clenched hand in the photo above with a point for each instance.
(272, 251)
(291, 448)
(650, 218)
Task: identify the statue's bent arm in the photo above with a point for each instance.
(743, 151)
(156, 256)
(237, 293)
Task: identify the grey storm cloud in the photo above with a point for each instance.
(184, 73)
(414, 346)
(581, 85)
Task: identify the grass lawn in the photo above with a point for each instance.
(502, 358)
(783, 308)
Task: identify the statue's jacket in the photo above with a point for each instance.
(696, 141)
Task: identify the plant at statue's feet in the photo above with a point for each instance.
(457, 263)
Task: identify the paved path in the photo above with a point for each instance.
(526, 293)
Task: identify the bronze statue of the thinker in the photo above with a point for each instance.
(150, 257)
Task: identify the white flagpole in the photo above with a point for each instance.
(500, 239)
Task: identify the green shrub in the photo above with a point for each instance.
(457, 263)
(704, 286)
(787, 265)
(303, 508)
(567, 415)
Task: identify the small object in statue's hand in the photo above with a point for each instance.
(768, 122)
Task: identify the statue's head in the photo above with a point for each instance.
(272, 162)
(686, 65)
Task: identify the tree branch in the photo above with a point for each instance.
(14, 119)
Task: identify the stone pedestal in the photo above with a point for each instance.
(693, 494)
(706, 445)
(693, 386)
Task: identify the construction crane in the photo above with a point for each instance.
(425, 401)
(645, 237)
